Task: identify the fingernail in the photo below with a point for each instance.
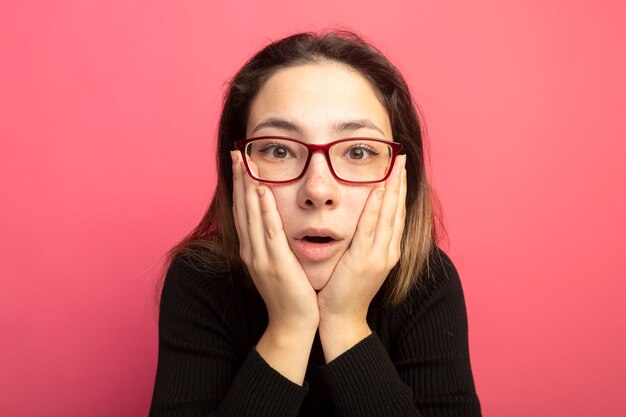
(402, 164)
(399, 164)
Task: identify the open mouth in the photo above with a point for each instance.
(318, 239)
(315, 245)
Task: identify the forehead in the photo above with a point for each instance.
(317, 97)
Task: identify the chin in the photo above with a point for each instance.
(318, 277)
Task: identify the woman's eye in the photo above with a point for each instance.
(359, 153)
(279, 152)
(276, 151)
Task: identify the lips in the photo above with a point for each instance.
(313, 233)
(315, 245)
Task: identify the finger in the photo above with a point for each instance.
(276, 241)
(366, 228)
(388, 212)
(398, 227)
(239, 205)
(254, 220)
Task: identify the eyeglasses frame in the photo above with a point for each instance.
(396, 148)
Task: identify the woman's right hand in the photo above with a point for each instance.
(289, 297)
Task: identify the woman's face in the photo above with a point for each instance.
(318, 103)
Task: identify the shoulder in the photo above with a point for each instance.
(194, 286)
(439, 276)
(187, 272)
(435, 298)
(438, 284)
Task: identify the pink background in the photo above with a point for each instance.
(107, 117)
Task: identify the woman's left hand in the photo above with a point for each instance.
(375, 249)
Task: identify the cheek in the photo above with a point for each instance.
(356, 196)
(354, 202)
(285, 199)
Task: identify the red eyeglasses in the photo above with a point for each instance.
(353, 160)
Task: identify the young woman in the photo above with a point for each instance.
(314, 286)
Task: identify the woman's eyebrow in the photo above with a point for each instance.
(338, 127)
(279, 124)
(352, 125)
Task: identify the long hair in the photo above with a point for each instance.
(213, 245)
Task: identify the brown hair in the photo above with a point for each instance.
(213, 245)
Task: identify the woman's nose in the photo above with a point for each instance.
(318, 186)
